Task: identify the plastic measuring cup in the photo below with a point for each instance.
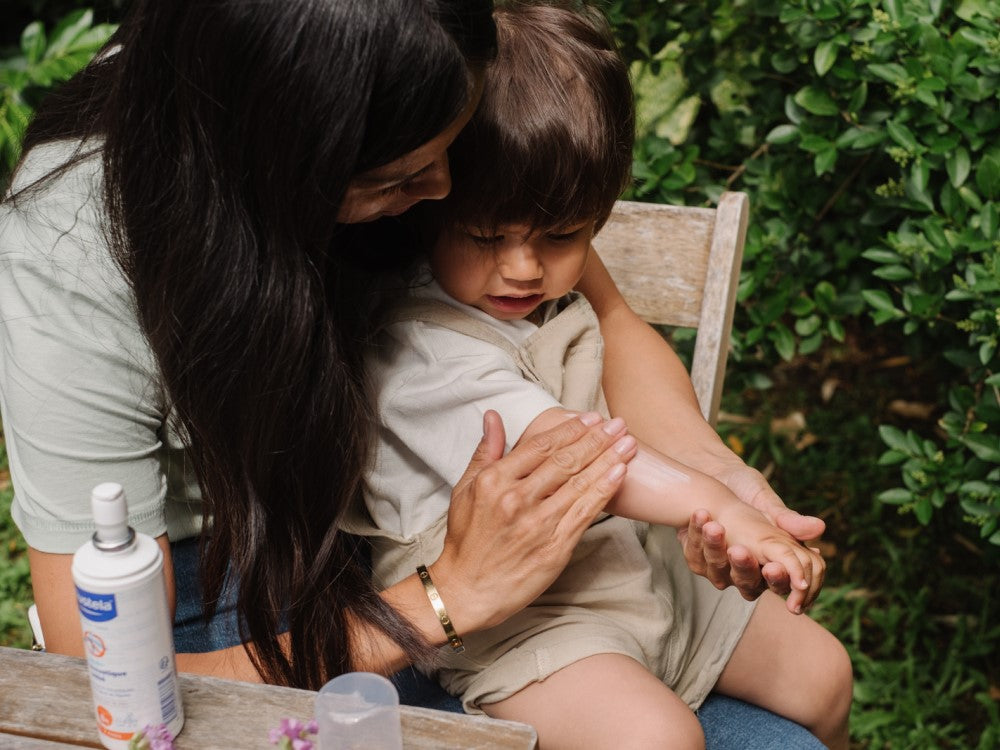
(359, 711)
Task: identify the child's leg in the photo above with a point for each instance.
(793, 666)
(604, 701)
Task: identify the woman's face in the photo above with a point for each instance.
(393, 188)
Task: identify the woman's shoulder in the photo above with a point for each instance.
(52, 227)
(55, 204)
(57, 168)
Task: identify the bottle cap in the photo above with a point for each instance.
(107, 502)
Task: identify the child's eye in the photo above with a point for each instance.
(563, 236)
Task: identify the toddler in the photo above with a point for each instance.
(627, 641)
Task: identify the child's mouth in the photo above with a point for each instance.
(516, 304)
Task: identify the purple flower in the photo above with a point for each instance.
(152, 737)
(292, 734)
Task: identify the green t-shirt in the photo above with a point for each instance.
(80, 393)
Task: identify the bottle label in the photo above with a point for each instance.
(131, 659)
(96, 607)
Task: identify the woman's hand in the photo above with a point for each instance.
(515, 520)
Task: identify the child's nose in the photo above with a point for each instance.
(520, 262)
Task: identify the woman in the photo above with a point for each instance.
(181, 310)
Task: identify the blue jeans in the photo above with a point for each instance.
(729, 724)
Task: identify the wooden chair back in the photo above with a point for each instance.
(680, 266)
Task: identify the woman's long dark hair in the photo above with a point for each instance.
(231, 131)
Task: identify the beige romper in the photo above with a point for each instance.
(626, 590)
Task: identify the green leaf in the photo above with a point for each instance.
(893, 273)
(916, 185)
(988, 176)
(986, 447)
(33, 42)
(807, 326)
(958, 165)
(868, 139)
(894, 8)
(825, 161)
(879, 255)
(891, 72)
(986, 351)
(902, 135)
(923, 510)
(782, 134)
(816, 101)
(858, 98)
(68, 30)
(802, 306)
(892, 457)
(784, 342)
(784, 61)
(989, 221)
(879, 299)
(825, 56)
(896, 496)
(894, 438)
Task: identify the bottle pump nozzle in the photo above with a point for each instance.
(107, 502)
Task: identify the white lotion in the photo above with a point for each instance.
(127, 632)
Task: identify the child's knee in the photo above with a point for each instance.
(670, 729)
(840, 679)
(828, 699)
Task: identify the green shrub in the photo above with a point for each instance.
(868, 137)
(43, 61)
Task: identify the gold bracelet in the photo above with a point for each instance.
(442, 614)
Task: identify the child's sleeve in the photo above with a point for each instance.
(434, 387)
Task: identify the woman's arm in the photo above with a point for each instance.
(513, 524)
(55, 598)
(647, 384)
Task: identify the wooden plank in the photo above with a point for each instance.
(47, 696)
(16, 742)
(680, 266)
(658, 257)
(722, 277)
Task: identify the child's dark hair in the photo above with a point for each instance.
(551, 140)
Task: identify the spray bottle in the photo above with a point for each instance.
(127, 633)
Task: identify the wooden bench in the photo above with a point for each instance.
(45, 704)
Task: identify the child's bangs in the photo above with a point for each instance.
(547, 181)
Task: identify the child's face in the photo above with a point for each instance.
(510, 272)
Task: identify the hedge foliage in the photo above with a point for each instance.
(868, 137)
(42, 61)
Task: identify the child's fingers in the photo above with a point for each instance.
(806, 570)
(746, 573)
(796, 602)
(777, 578)
(817, 578)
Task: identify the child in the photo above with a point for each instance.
(627, 641)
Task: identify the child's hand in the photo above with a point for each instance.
(771, 545)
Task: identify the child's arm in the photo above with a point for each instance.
(660, 490)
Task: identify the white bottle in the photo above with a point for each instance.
(127, 631)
